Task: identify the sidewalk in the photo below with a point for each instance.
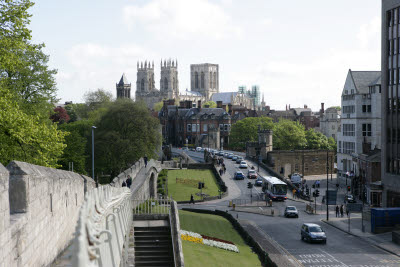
(383, 241)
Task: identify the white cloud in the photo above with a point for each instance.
(370, 34)
(182, 19)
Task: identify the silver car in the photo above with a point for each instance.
(291, 211)
(312, 232)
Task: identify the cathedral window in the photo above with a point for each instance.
(215, 80)
(165, 84)
(150, 84)
(202, 80)
(142, 85)
(211, 84)
(196, 80)
(174, 84)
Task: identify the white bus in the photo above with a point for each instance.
(274, 188)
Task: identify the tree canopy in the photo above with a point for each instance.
(211, 104)
(289, 135)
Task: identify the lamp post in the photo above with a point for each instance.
(97, 182)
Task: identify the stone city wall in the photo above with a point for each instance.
(39, 208)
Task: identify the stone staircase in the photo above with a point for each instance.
(153, 245)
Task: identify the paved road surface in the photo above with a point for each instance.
(341, 249)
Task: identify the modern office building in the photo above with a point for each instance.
(390, 103)
(255, 93)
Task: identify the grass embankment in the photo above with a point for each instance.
(183, 183)
(214, 226)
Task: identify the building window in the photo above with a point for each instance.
(194, 128)
(366, 129)
(221, 127)
(189, 127)
(225, 127)
(142, 85)
(348, 109)
(348, 129)
(205, 127)
(202, 80)
(340, 147)
(198, 128)
(366, 108)
(348, 147)
(296, 167)
(196, 80)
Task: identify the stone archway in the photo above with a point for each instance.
(152, 185)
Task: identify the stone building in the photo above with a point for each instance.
(262, 147)
(306, 162)
(329, 121)
(123, 88)
(145, 83)
(233, 98)
(195, 126)
(390, 103)
(360, 121)
(204, 78)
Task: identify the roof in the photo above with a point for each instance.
(298, 111)
(363, 79)
(191, 93)
(123, 80)
(376, 82)
(225, 97)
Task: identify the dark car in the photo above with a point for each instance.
(252, 174)
(312, 232)
(349, 199)
(258, 181)
(238, 175)
(291, 211)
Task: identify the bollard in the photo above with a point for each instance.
(230, 203)
(270, 203)
(233, 206)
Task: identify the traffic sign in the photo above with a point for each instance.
(331, 196)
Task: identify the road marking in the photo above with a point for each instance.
(332, 257)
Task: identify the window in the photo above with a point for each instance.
(221, 127)
(348, 147)
(366, 129)
(348, 129)
(366, 108)
(225, 127)
(205, 127)
(333, 127)
(196, 80)
(202, 80)
(348, 109)
(142, 85)
(189, 127)
(198, 128)
(340, 147)
(165, 84)
(194, 128)
(296, 167)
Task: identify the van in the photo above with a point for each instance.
(198, 149)
(295, 178)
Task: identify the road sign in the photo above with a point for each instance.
(354, 207)
(331, 197)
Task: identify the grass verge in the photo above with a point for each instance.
(188, 184)
(215, 226)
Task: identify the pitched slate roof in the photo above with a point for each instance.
(191, 93)
(225, 97)
(362, 79)
(123, 80)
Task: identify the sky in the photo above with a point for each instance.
(298, 52)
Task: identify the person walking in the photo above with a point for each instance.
(224, 169)
(221, 171)
(294, 193)
(341, 211)
(337, 211)
(123, 184)
(145, 161)
(129, 182)
(191, 199)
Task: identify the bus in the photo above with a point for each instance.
(274, 188)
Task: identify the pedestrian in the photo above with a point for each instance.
(294, 193)
(306, 186)
(341, 210)
(337, 211)
(347, 212)
(123, 184)
(221, 171)
(297, 194)
(145, 161)
(224, 169)
(129, 182)
(191, 199)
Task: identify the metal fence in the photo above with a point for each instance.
(160, 206)
(104, 221)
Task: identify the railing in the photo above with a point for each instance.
(159, 206)
(104, 221)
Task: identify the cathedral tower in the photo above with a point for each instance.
(145, 78)
(169, 84)
(123, 88)
(205, 79)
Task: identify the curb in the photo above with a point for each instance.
(360, 237)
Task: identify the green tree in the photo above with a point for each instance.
(73, 116)
(125, 133)
(338, 108)
(289, 135)
(332, 144)
(24, 137)
(246, 130)
(316, 140)
(211, 104)
(158, 106)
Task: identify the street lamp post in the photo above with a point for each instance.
(97, 182)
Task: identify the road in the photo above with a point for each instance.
(341, 249)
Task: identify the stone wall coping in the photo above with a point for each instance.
(3, 170)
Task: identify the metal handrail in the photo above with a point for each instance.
(172, 236)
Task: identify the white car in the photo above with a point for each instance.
(243, 165)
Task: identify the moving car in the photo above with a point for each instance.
(291, 211)
(349, 199)
(312, 232)
(295, 178)
(198, 149)
(234, 158)
(239, 159)
(238, 175)
(230, 156)
(243, 165)
(226, 154)
(252, 174)
(259, 181)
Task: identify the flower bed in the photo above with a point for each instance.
(209, 241)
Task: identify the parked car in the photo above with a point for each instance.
(198, 149)
(226, 154)
(349, 199)
(291, 211)
(238, 175)
(243, 164)
(295, 178)
(258, 181)
(239, 159)
(234, 158)
(312, 232)
(230, 156)
(220, 153)
(252, 174)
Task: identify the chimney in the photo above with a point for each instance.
(206, 106)
(189, 104)
(171, 102)
(289, 106)
(199, 104)
(322, 108)
(182, 104)
(219, 104)
(305, 106)
(230, 108)
(224, 107)
(286, 107)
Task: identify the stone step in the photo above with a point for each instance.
(154, 233)
(154, 238)
(161, 252)
(152, 229)
(155, 263)
(152, 248)
(160, 243)
(154, 258)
